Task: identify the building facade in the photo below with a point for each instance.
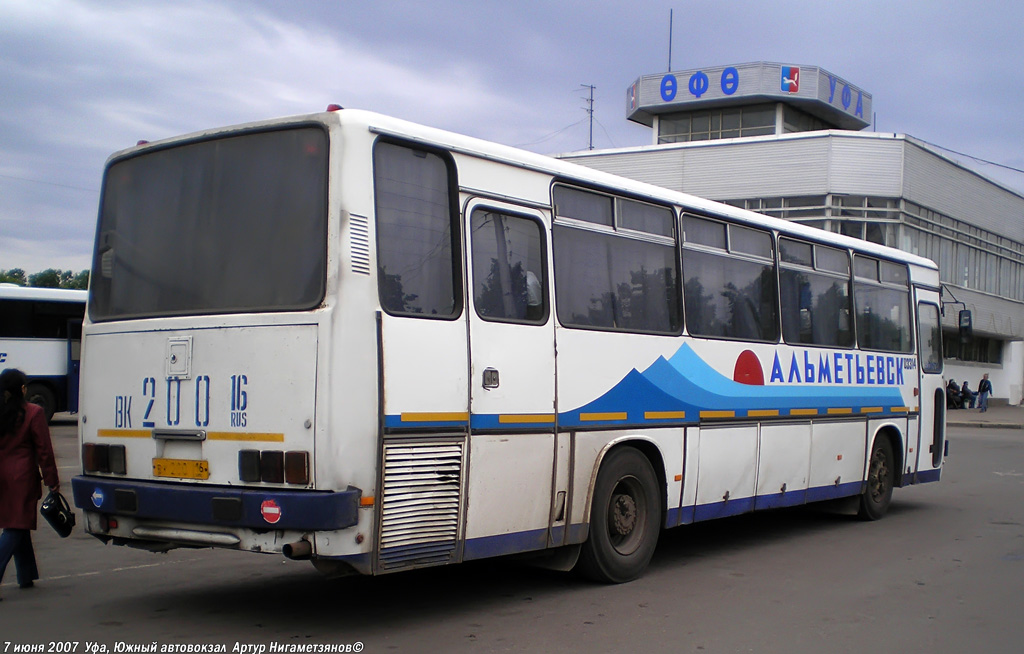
(786, 141)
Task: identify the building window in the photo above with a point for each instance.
(726, 123)
(794, 120)
(979, 349)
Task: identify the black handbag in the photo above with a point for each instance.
(57, 512)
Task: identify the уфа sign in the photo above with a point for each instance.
(760, 79)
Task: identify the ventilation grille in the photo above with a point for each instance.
(420, 507)
(359, 240)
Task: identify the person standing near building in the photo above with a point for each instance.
(25, 448)
(984, 390)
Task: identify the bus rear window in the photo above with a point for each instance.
(224, 225)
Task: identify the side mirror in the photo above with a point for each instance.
(966, 330)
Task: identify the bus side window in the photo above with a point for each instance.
(508, 268)
(418, 269)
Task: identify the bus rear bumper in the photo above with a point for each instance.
(259, 509)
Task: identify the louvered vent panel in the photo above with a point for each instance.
(420, 507)
(359, 240)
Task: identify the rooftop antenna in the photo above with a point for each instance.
(590, 110)
(670, 40)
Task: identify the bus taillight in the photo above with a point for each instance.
(274, 466)
(104, 458)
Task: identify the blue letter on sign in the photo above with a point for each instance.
(699, 84)
(668, 88)
(730, 80)
(847, 96)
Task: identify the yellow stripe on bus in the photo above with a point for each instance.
(664, 415)
(124, 433)
(717, 414)
(527, 418)
(900, 409)
(454, 416)
(803, 412)
(244, 436)
(595, 417)
(840, 411)
(871, 409)
(762, 413)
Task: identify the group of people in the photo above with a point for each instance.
(25, 449)
(962, 397)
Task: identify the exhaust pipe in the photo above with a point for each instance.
(299, 550)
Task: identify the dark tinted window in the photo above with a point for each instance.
(643, 217)
(609, 282)
(729, 283)
(508, 267)
(884, 320)
(225, 225)
(729, 297)
(418, 270)
(583, 205)
(815, 302)
(930, 337)
(34, 319)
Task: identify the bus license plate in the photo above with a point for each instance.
(181, 468)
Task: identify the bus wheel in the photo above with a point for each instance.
(43, 396)
(624, 518)
(874, 502)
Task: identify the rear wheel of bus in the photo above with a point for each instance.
(624, 518)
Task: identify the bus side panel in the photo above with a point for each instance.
(425, 374)
(783, 464)
(727, 471)
(838, 453)
(508, 505)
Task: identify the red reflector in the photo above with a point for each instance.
(334, 107)
(296, 467)
(112, 523)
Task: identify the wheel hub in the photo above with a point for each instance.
(623, 514)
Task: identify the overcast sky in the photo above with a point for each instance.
(80, 80)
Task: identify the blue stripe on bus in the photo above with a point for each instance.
(521, 541)
(297, 509)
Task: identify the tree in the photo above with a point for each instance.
(13, 276)
(80, 281)
(49, 278)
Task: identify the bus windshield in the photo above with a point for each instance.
(225, 225)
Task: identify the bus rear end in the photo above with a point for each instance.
(203, 346)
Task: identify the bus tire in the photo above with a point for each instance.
(43, 396)
(625, 518)
(874, 501)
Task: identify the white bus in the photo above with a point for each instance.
(40, 334)
(381, 346)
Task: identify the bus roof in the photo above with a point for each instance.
(15, 292)
(474, 147)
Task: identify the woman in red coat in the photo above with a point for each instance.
(24, 448)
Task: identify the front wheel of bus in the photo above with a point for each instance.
(881, 473)
(624, 518)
